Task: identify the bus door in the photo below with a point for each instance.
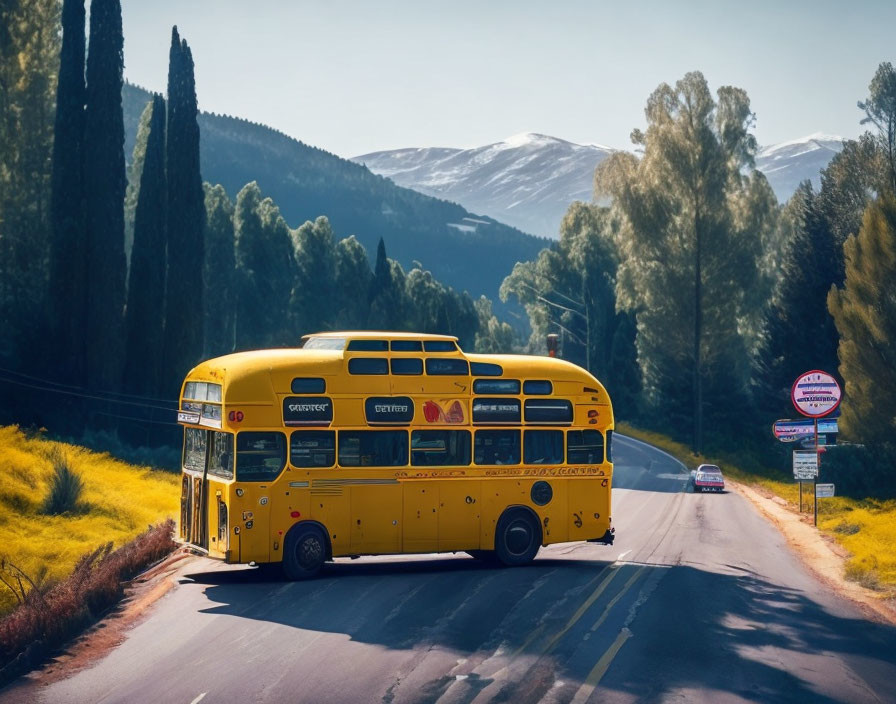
(194, 490)
(260, 458)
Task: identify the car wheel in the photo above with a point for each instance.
(304, 553)
(517, 537)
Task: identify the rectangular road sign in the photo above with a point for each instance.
(824, 491)
(827, 426)
(791, 430)
(805, 464)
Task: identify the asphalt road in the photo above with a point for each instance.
(699, 600)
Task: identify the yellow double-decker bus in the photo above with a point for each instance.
(369, 443)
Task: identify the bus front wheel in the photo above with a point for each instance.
(517, 537)
(304, 553)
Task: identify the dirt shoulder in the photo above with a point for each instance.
(140, 594)
(820, 554)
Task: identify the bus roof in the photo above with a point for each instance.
(379, 335)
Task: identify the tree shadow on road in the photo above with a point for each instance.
(548, 627)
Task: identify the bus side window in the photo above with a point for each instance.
(584, 447)
(543, 446)
(497, 447)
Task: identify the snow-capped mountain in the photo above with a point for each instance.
(527, 180)
(530, 179)
(786, 164)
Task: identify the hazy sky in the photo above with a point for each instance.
(356, 77)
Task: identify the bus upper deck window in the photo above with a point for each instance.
(406, 346)
(368, 346)
(440, 346)
(368, 365)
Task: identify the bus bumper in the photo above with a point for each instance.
(606, 539)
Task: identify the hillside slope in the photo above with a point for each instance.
(465, 251)
(118, 502)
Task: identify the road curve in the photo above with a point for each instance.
(699, 600)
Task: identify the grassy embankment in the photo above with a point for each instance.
(117, 502)
(866, 528)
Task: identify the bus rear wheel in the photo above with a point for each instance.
(304, 553)
(517, 537)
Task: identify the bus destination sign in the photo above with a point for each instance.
(307, 410)
(815, 394)
(389, 409)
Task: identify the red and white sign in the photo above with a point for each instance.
(815, 394)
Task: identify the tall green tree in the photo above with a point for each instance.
(353, 278)
(265, 272)
(864, 312)
(104, 184)
(314, 297)
(799, 333)
(184, 307)
(29, 62)
(68, 246)
(146, 282)
(493, 336)
(570, 290)
(220, 272)
(387, 293)
(880, 111)
(685, 266)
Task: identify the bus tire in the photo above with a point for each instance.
(517, 537)
(304, 552)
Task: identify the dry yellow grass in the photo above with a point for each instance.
(866, 528)
(121, 500)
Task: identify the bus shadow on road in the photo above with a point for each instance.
(562, 626)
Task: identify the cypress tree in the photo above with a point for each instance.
(184, 311)
(146, 283)
(68, 246)
(104, 183)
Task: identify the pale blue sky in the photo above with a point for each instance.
(355, 77)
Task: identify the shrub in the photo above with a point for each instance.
(66, 486)
(46, 617)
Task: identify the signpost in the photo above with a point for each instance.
(824, 491)
(815, 394)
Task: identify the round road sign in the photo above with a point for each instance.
(815, 394)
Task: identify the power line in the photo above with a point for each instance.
(87, 396)
(75, 388)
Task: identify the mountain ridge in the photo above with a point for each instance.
(528, 180)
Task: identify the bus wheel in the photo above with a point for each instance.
(304, 553)
(517, 537)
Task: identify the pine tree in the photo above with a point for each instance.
(386, 295)
(864, 311)
(184, 308)
(799, 332)
(68, 246)
(146, 283)
(220, 272)
(104, 183)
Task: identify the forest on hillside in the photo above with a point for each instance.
(694, 296)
